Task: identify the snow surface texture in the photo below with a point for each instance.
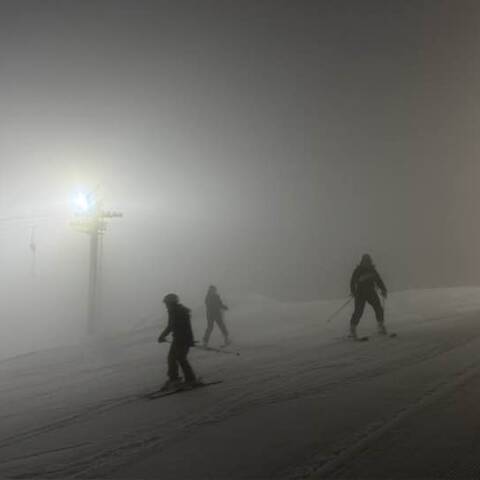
(301, 401)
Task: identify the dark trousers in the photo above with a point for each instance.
(360, 301)
(211, 320)
(177, 356)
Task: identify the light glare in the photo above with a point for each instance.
(82, 203)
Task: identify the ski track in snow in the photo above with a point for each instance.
(269, 392)
(264, 375)
(332, 467)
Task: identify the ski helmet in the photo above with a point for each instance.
(171, 298)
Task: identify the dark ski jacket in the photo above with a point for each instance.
(365, 280)
(214, 304)
(179, 325)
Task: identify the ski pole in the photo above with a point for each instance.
(217, 350)
(334, 314)
(211, 349)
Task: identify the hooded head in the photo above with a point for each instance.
(366, 260)
(212, 289)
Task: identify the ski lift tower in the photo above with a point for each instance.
(91, 218)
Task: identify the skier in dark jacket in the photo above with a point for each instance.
(180, 327)
(215, 308)
(363, 287)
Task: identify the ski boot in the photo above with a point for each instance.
(381, 329)
(171, 385)
(353, 332)
(191, 384)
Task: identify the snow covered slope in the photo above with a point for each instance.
(300, 400)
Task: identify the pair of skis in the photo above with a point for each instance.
(366, 337)
(179, 389)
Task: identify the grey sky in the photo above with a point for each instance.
(259, 145)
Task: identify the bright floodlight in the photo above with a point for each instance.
(83, 202)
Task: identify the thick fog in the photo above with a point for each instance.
(261, 146)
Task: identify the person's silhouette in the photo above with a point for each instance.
(363, 287)
(215, 308)
(180, 327)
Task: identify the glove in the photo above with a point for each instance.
(384, 294)
(161, 339)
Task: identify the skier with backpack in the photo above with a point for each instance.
(363, 287)
(180, 327)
